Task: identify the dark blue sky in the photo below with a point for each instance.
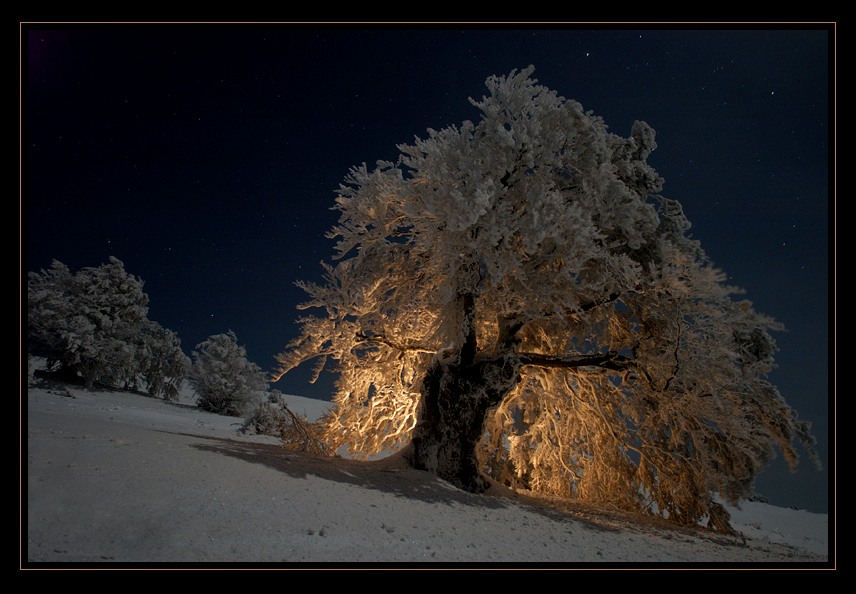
(206, 158)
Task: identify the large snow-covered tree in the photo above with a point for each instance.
(515, 299)
(93, 325)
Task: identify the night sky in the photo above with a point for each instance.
(206, 158)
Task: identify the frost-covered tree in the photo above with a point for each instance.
(163, 365)
(93, 325)
(514, 299)
(225, 381)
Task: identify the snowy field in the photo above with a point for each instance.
(118, 478)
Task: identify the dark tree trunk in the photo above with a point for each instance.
(456, 399)
(458, 395)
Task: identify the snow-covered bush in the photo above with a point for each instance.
(225, 381)
(271, 416)
(163, 365)
(93, 326)
(268, 416)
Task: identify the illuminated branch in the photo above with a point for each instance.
(299, 431)
(362, 337)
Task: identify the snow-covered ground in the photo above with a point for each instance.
(123, 478)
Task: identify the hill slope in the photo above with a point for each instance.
(117, 477)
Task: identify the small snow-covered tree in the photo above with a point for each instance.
(163, 365)
(93, 325)
(515, 299)
(224, 380)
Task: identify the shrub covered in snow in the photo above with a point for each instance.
(163, 364)
(271, 416)
(225, 381)
(268, 416)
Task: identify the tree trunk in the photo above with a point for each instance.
(456, 399)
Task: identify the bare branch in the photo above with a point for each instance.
(610, 299)
(610, 360)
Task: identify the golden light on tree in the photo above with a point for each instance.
(514, 299)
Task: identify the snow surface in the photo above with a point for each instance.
(120, 478)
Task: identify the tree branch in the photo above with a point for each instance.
(508, 329)
(590, 306)
(362, 337)
(610, 360)
(468, 351)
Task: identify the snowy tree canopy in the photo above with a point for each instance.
(513, 298)
(94, 324)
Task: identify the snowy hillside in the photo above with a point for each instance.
(123, 478)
